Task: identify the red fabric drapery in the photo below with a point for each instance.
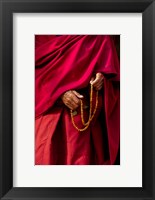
(68, 62)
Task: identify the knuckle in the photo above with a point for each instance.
(70, 94)
(68, 101)
(76, 101)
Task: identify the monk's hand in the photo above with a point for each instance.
(71, 99)
(97, 81)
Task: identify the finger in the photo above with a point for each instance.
(72, 102)
(98, 88)
(99, 84)
(92, 79)
(77, 94)
(67, 99)
(75, 100)
(71, 98)
(100, 75)
(71, 105)
(96, 80)
(67, 94)
(99, 78)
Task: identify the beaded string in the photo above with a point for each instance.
(91, 116)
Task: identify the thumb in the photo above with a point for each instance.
(95, 79)
(98, 77)
(77, 94)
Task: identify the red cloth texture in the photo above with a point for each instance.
(64, 63)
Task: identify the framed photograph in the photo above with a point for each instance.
(77, 99)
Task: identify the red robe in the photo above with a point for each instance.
(64, 63)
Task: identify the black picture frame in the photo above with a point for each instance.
(7, 8)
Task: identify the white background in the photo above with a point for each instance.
(129, 173)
